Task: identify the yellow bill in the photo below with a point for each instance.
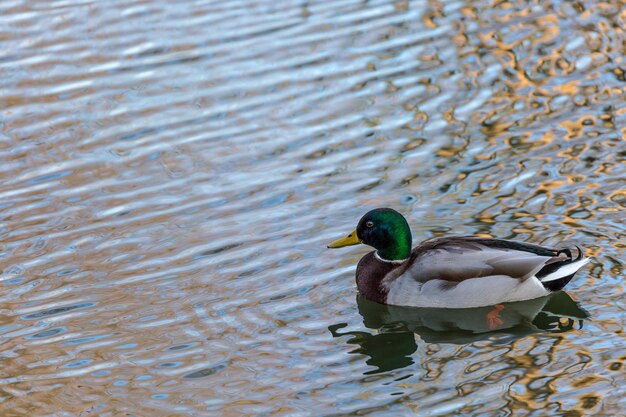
(349, 240)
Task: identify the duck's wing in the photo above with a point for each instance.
(457, 259)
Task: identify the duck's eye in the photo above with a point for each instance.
(370, 224)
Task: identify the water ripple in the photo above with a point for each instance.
(172, 173)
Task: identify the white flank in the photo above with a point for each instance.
(566, 270)
(475, 292)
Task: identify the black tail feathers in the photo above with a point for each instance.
(554, 265)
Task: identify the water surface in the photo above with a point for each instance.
(172, 171)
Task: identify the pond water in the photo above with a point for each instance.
(172, 171)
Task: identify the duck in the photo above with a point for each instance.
(453, 272)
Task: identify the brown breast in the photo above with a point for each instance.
(370, 273)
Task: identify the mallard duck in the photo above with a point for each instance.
(452, 272)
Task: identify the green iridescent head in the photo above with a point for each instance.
(384, 229)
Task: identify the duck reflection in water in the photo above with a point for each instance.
(395, 341)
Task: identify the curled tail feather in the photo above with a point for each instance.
(558, 273)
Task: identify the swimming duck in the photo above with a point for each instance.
(452, 272)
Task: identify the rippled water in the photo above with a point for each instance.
(172, 171)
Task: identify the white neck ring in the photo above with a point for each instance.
(398, 261)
